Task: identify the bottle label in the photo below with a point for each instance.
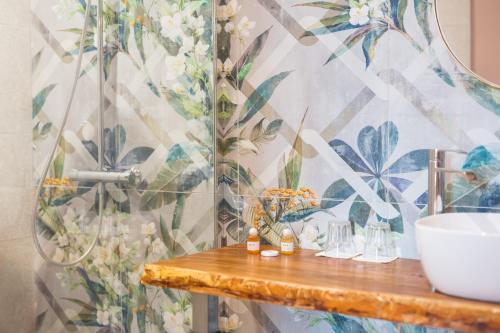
(286, 246)
(253, 246)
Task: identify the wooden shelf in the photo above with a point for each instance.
(397, 291)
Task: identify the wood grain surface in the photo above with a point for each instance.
(397, 291)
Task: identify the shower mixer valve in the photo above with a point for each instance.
(131, 177)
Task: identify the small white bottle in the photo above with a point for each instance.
(253, 241)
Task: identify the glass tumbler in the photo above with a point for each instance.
(340, 243)
(379, 243)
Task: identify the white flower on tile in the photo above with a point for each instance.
(134, 277)
(158, 247)
(201, 49)
(376, 8)
(102, 255)
(124, 250)
(173, 323)
(118, 287)
(309, 238)
(113, 243)
(148, 229)
(178, 88)
(105, 273)
(225, 68)
(107, 33)
(62, 240)
(81, 241)
(58, 255)
(73, 256)
(64, 278)
(171, 26)
(229, 27)
(245, 26)
(88, 131)
(359, 15)
(224, 13)
(103, 317)
(187, 44)
(229, 324)
(66, 9)
(234, 322)
(176, 66)
(122, 229)
(197, 24)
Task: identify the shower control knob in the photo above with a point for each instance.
(135, 176)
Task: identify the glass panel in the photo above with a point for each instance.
(158, 117)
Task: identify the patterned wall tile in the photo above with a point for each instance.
(358, 96)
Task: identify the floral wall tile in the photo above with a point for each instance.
(360, 90)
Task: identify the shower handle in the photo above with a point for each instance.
(130, 177)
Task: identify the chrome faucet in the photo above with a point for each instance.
(436, 180)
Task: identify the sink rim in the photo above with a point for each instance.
(426, 224)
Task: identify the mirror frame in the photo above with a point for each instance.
(457, 59)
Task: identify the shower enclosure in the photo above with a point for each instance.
(133, 166)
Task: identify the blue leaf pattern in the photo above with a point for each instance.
(376, 146)
(349, 156)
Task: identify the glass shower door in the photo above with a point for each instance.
(158, 117)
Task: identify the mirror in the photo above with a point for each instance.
(471, 30)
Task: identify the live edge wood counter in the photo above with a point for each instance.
(397, 291)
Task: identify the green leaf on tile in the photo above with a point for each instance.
(178, 212)
(336, 193)
(422, 9)
(330, 25)
(359, 211)
(184, 105)
(272, 129)
(225, 110)
(40, 99)
(246, 61)
(370, 41)
(260, 97)
(349, 42)
(290, 168)
(483, 93)
(298, 214)
(398, 9)
(142, 305)
(324, 5)
(138, 36)
(160, 192)
(57, 167)
(165, 236)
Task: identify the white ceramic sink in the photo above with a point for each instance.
(460, 253)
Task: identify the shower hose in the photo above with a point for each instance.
(59, 136)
